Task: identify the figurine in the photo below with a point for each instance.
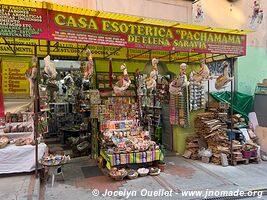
(178, 84)
(223, 79)
(124, 83)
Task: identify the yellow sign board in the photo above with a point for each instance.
(21, 46)
(14, 82)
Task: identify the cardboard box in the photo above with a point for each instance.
(261, 133)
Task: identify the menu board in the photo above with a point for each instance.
(14, 82)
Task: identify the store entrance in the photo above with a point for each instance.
(62, 93)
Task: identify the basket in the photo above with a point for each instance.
(143, 172)
(246, 154)
(133, 176)
(254, 153)
(118, 178)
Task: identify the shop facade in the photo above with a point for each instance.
(65, 33)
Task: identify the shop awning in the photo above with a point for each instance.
(76, 28)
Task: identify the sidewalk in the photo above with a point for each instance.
(17, 186)
(83, 180)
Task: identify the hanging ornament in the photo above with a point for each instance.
(180, 82)
(223, 79)
(50, 68)
(124, 83)
(89, 68)
(202, 75)
(31, 75)
(151, 81)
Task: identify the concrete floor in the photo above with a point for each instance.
(180, 175)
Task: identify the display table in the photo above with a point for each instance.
(131, 158)
(15, 159)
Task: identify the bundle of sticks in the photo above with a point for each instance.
(192, 147)
(218, 142)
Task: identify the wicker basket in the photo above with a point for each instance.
(118, 178)
(133, 176)
(143, 172)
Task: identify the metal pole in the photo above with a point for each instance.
(36, 100)
(208, 103)
(232, 103)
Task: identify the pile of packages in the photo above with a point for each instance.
(127, 141)
(121, 108)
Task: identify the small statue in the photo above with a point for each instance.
(124, 83)
(178, 84)
(223, 79)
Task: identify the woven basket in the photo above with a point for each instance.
(134, 176)
(118, 178)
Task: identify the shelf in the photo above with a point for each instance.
(15, 134)
(152, 107)
(120, 129)
(112, 89)
(45, 110)
(18, 123)
(114, 121)
(117, 96)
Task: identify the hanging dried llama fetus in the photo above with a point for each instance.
(223, 79)
(151, 82)
(31, 75)
(125, 81)
(180, 82)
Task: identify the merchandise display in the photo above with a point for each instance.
(179, 106)
(197, 96)
(118, 108)
(124, 83)
(52, 160)
(18, 125)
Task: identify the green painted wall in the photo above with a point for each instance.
(251, 69)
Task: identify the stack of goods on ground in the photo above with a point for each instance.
(209, 127)
(192, 147)
(212, 128)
